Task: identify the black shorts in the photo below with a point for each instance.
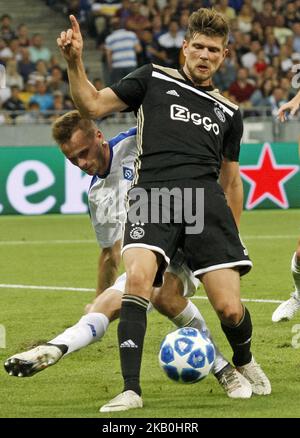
(163, 224)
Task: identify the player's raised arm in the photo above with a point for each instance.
(292, 106)
(90, 102)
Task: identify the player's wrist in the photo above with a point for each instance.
(75, 64)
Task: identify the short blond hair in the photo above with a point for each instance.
(208, 22)
(64, 126)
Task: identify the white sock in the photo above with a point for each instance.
(90, 328)
(295, 267)
(191, 317)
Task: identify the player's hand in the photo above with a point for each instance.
(70, 42)
(292, 106)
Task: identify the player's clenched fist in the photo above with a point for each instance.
(70, 42)
(292, 106)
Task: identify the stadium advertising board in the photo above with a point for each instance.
(39, 180)
(271, 175)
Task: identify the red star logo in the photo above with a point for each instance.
(267, 179)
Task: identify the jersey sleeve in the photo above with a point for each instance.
(233, 137)
(133, 87)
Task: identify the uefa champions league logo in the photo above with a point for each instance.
(2, 76)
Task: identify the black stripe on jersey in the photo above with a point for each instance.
(158, 75)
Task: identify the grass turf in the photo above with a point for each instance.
(83, 381)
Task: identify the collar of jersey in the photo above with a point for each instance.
(111, 152)
(198, 87)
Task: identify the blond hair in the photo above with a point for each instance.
(64, 126)
(208, 22)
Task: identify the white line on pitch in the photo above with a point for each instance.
(247, 300)
(85, 289)
(55, 288)
(45, 242)
(271, 236)
(74, 242)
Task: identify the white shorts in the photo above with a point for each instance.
(107, 236)
(189, 281)
(119, 284)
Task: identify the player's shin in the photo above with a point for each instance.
(191, 317)
(239, 337)
(90, 328)
(131, 333)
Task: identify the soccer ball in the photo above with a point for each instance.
(186, 355)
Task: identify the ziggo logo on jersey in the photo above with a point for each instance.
(183, 114)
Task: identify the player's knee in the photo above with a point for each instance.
(230, 314)
(138, 281)
(108, 303)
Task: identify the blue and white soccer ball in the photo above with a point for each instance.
(186, 355)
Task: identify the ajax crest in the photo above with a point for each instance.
(137, 232)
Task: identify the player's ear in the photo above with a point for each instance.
(184, 47)
(225, 53)
(64, 148)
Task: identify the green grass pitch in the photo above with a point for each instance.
(32, 253)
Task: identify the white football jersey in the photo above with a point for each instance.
(107, 193)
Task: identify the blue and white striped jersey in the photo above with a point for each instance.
(122, 44)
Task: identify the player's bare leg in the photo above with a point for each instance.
(108, 266)
(223, 290)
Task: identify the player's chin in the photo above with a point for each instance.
(91, 171)
(202, 76)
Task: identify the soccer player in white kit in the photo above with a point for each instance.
(289, 308)
(111, 164)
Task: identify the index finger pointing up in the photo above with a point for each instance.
(75, 24)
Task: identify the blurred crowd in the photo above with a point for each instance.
(35, 82)
(264, 51)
